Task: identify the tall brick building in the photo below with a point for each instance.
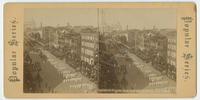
(89, 51)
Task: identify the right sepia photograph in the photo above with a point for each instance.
(100, 50)
(137, 50)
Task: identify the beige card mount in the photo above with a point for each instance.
(58, 50)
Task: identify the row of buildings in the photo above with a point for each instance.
(81, 43)
(156, 46)
(78, 45)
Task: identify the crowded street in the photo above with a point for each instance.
(73, 81)
(66, 78)
(157, 81)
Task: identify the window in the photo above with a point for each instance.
(82, 58)
(91, 61)
(82, 50)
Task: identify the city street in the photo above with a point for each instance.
(151, 79)
(48, 75)
(133, 78)
(73, 81)
(157, 80)
(65, 78)
(129, 76)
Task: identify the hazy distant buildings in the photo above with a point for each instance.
(132, 38)
(50, 36)
(28, 25)
(140, 41)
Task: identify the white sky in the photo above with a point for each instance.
(142, 17)
(55, 16)
(133, 17)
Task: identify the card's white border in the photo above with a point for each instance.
(198, 43)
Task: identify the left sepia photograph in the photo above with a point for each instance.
(54, 50)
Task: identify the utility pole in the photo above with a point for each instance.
(98, 19)
(49, 39)
(98, 65)
(135, 34)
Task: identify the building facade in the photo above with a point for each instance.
(74, 41)
(89, 53)
(49, 36)
(171, 56)
(171, 51)
(132, 35)
(140, 41)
